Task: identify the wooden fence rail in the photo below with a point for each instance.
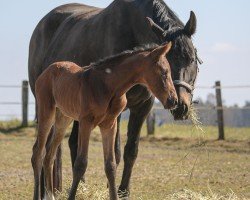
(220, 117)
(25, 102)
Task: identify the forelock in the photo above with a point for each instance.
(184, 45)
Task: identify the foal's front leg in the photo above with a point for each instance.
(108, 139)
(80, 164)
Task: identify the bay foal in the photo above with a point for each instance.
(94, 96)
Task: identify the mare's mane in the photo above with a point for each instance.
(164, 16)
(170, 22)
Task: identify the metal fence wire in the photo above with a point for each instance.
(25, 103)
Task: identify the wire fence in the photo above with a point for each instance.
(211, 108)
(25, 103)
(155, 107)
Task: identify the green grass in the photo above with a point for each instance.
(178, 163)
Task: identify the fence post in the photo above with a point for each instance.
(219, 110)
(151, 123)
(25, 99)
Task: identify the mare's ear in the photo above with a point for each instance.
(190, 27)
(156, 29)
(161, 51)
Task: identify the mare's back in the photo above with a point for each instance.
(45, 32)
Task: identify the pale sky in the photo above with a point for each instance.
(222, 39)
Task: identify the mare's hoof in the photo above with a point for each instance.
(83, 179)
(123, 194)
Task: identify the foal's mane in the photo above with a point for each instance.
(122, 55)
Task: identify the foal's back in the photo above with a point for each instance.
(58, 85)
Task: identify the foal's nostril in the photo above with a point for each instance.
(172, 102)
(175, 102)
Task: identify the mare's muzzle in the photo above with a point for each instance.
(182, 110)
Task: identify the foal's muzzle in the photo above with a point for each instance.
(171, 103)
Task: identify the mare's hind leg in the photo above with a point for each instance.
(46, 116)
(61, 124)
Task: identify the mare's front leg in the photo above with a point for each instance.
(81, 161)
(73, 142)
(108, 131)
(118, 142)
(137, 116)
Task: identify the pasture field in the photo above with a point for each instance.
(180, 162)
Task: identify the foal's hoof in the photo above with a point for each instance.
(123, 194)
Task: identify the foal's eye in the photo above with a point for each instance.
(164, 75)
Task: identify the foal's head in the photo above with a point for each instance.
(157, 76)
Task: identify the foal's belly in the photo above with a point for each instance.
(67, 98)
(68, 112)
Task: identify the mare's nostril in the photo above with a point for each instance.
(185, 109)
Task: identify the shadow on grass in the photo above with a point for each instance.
(10, 127)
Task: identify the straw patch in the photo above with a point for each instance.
(85, 191)
(96, 193)
(209, 195)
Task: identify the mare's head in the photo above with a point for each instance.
(157, 76)
(183, 60)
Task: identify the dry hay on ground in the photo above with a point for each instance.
(172, 165)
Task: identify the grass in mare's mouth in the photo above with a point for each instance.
(193, 116)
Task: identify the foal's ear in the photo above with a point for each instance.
(161, 50)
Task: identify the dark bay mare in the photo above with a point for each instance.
(94, 96)
(84, 34)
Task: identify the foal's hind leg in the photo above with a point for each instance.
(61, 124)
(46, 116)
